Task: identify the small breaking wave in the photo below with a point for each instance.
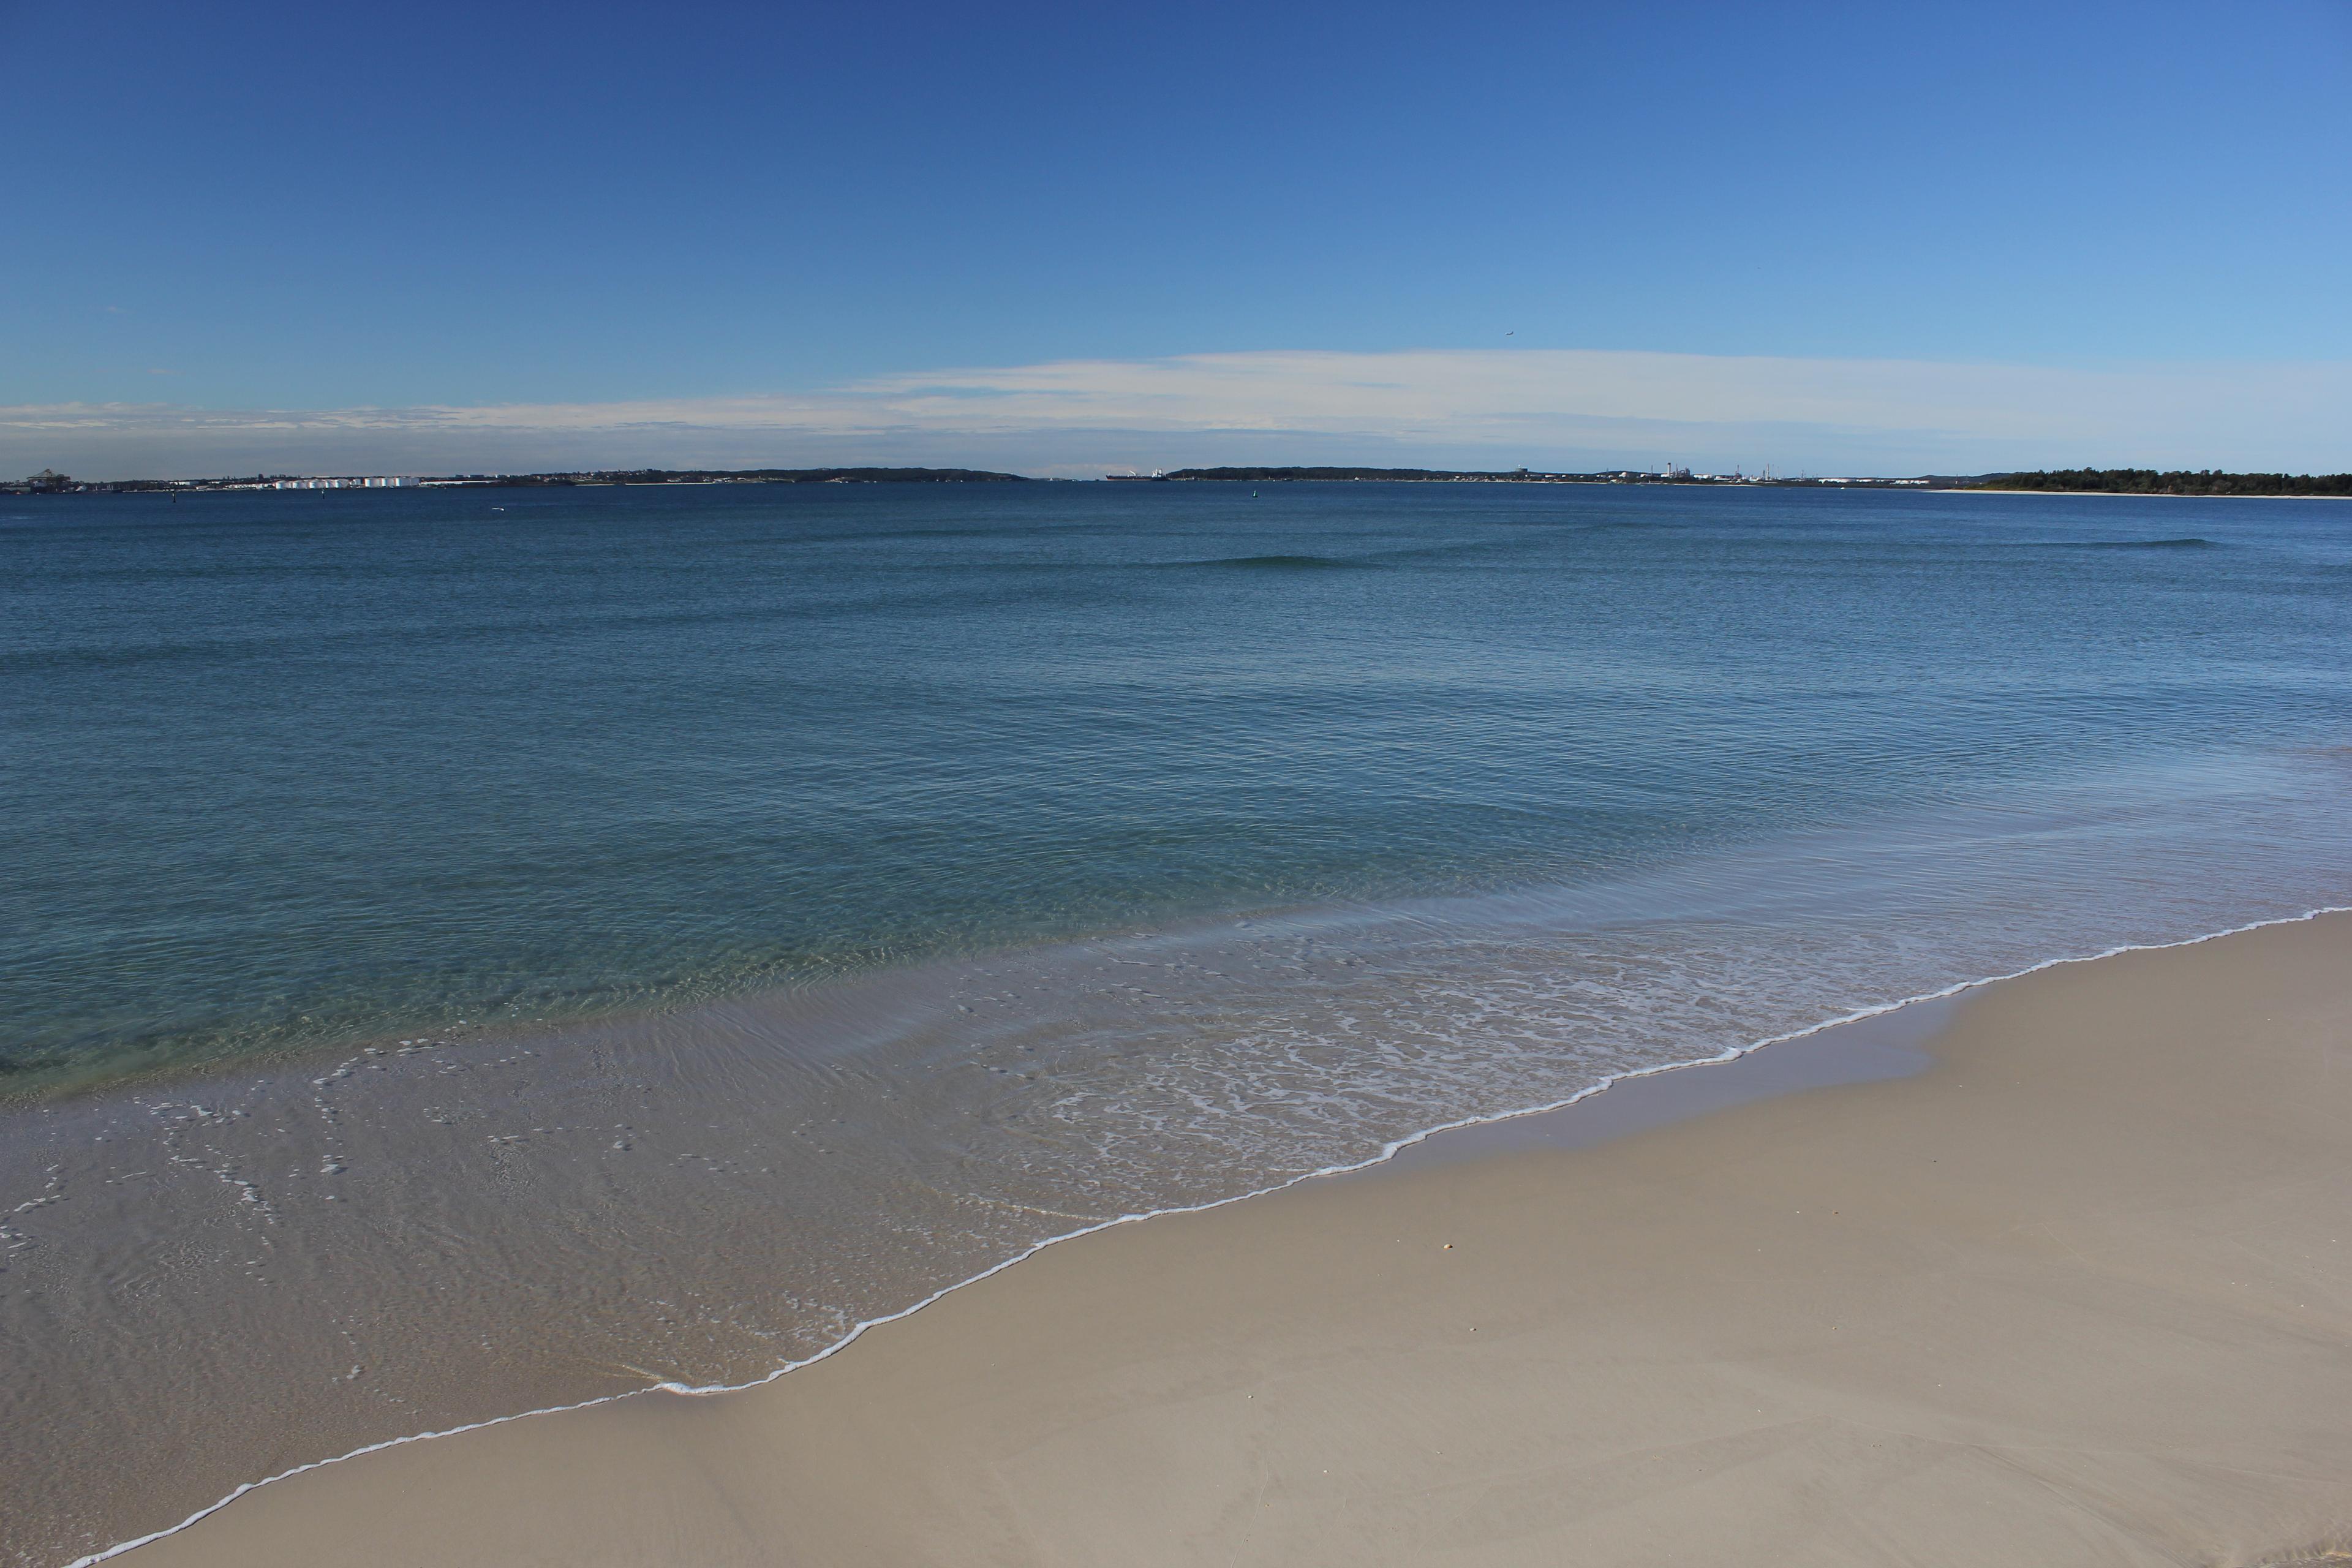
(2190, 544)
(1282, 564)
(1387, 1149)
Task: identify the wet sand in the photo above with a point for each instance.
(2080, 1291)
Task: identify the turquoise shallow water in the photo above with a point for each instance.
(296, 769)
(472, 952)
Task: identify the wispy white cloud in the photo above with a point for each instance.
(1540, 408)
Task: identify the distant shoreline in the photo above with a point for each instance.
(2209, 484)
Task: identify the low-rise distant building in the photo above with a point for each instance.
(353, 482)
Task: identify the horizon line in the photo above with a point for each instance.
(1558, 410)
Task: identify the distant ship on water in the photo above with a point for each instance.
(1159, 474)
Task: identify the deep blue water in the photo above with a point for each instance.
(283, 769)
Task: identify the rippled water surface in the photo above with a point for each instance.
(474, 950)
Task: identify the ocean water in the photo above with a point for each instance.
(472, 951)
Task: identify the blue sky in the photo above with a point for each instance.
(271, 208)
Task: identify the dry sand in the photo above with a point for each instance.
(2081, 1292)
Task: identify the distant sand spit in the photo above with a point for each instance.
(2081, 1291)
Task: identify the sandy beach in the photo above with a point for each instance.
(2080, 1291)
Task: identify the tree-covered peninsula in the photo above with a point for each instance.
(2178, 482)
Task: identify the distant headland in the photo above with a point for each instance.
(50, 482)
(1667, 476)
(2107, 481)
(2180, 482)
